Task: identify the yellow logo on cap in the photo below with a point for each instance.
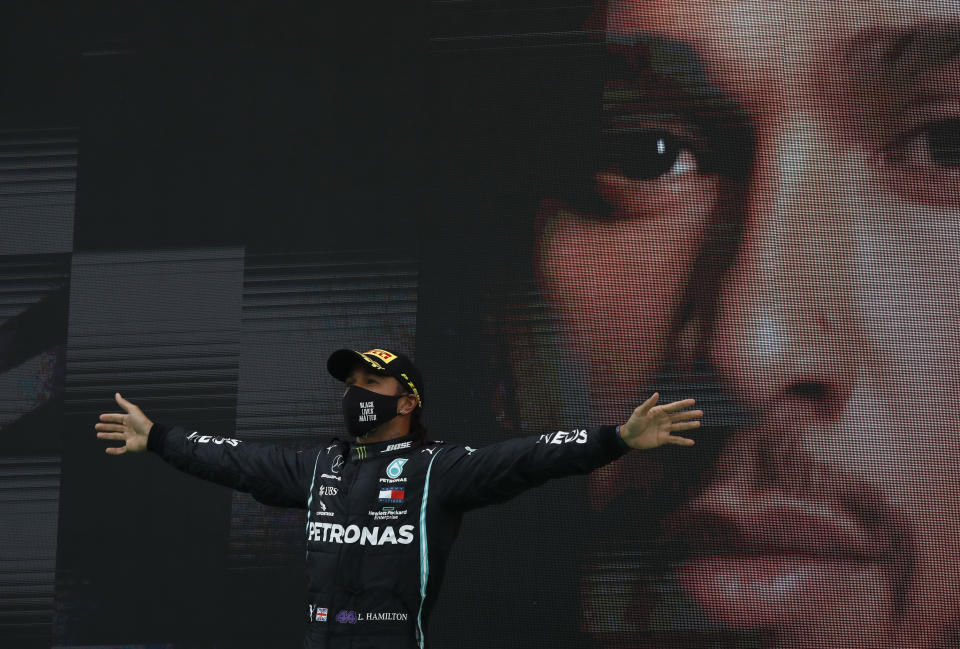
(413, 388)
(374, 364)
(382, 354)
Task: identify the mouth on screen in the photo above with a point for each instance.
(723, 573)
(773, 562)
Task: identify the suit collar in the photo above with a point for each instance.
(386, 448)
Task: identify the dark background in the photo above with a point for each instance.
(199, 201)
(208, 198)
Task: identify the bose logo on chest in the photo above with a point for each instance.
(334, 533)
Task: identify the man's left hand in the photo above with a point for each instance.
(651, 425)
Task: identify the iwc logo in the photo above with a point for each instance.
(395, 468)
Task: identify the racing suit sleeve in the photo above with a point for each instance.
(272, 474)
(468, 478)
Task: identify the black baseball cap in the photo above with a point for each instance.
(378, 361)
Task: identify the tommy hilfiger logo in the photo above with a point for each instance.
(391, 495)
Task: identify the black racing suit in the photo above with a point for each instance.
(381, 518)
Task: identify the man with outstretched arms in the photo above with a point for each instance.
(384, 507)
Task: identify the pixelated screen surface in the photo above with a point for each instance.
(754, 204)
(557, 208)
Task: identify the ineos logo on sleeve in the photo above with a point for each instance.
(197, 438)
(337, 464)
(577, 436)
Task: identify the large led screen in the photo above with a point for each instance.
(754, 204)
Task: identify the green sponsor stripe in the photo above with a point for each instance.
(310, 495)
(424, 561)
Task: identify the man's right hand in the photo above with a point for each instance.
(131, 427)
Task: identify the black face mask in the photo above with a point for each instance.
(364, 410)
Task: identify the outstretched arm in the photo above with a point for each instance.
(467, 478)
(273, 474)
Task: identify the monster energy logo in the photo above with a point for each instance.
(361, 452)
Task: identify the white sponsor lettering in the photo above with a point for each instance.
(397, 447)
(327, 490)
(368, 536)
(351, 534)
(366, 411)
(330, 476)
(211, 439)
(380, 617)
(336, 533)
(392, 480)
(563, 437)
(386, 514)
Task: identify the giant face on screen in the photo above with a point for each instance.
(777, 215)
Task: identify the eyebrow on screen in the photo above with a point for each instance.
(903, 56)
(661, 65)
